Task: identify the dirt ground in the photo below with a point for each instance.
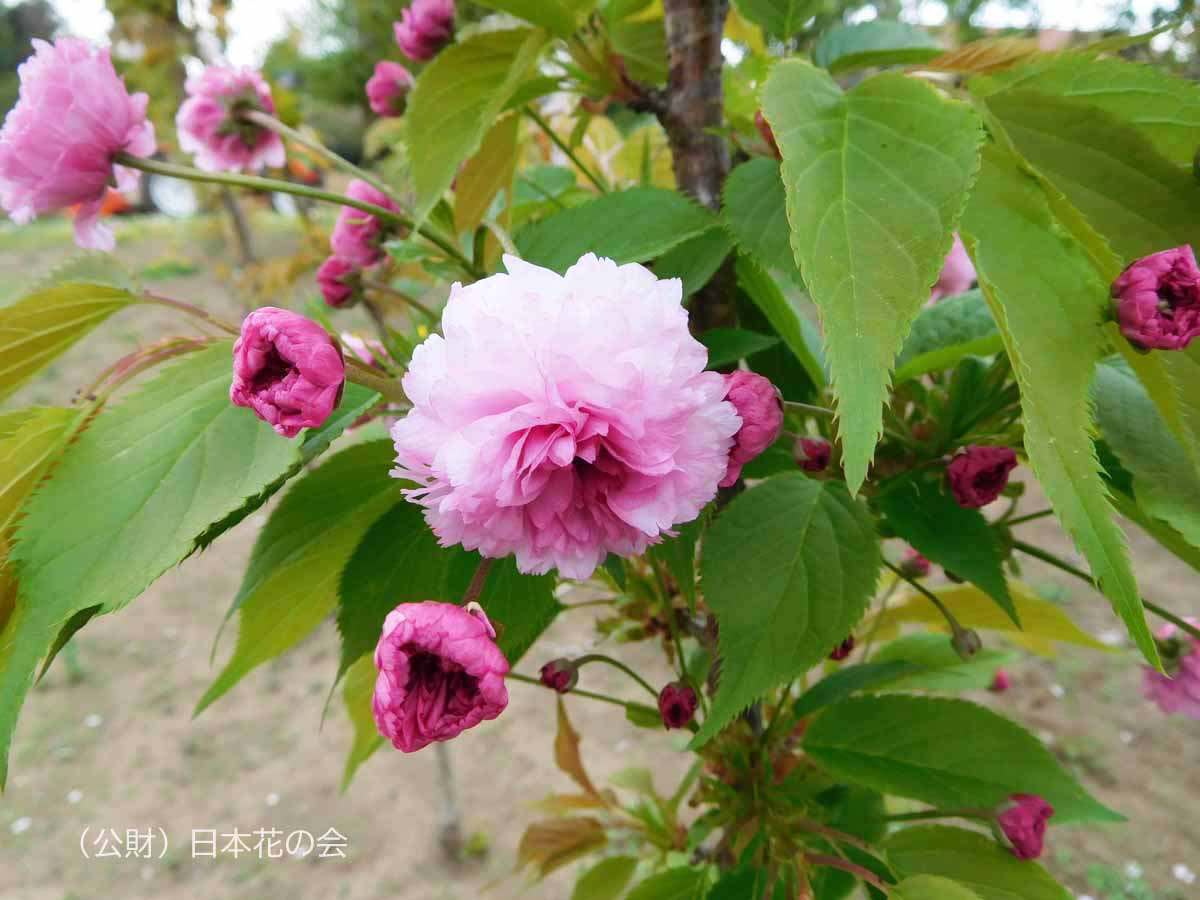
(107, 741)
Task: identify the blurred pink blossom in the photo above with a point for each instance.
(425, 27)
(339, 282)
(387, 89)
(210, 127)
(1178, 691)
(958, 273)
(58, 142)
(358, 236)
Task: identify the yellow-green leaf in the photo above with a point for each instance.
(357, 690)
(486, 174)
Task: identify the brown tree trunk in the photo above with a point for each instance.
(691, 112)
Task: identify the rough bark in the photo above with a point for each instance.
(691, 112)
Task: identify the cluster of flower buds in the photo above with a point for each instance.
(357, 243)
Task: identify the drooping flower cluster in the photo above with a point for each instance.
(978, 475)
(58, 142)
(212, 129)
(440, 673)
(288, 369)
(760, 407)
(562, 418)
(388, 88)
(1158, 300)
(425, 27)
(1024, 824)
(1177, 691)
(957, 275)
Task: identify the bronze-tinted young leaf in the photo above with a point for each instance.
(546, 846)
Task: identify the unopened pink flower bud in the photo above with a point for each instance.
(1177, 691)
(358, 236)
(211, 127)
(760, 407)
(1158, 300)
(843, 650)
(58, 142)
(677, 703)
(978, 475)
(1024, 824)
(768, 135)
(958, 273)
(288, 369)
(914, 565)
(812, 454)
(340, 282)
(440, 673)
(425, 27)
(1000, 682)
(560, 675)
(388, 88)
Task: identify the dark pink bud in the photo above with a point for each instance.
(843, 650)
(812, 454)
(914, 565)
(1158, 300)
(760, 406)
(1024, 824)
(288, 369)
(440, 673)
(764, 128)
(1000, 683)
(387, 89)
(358, 236)
(559, 674)
(425, 27)
(978, 475)
(339, 281)
(677, 704)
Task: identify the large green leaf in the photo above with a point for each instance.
(1165, 481)
(1049, 316)
(44, 324)
(127, 502)
(937, 665)
(947, 332)
(606, 880)
(1163, 107)
(882, 42)
(875, 181)
(684, 883)
(642, 44)
(921, 512)
(931, 887)
(788, 568)
(520, 606)
(1135, 197)
(627, 226)
(26, 455)
(845, 682)
(555, 15)
(755, 212)
(357, 690)
(898, 744)
(974, 860)
(456, 101)
(726, 346)
(696, 260)
(291, 583)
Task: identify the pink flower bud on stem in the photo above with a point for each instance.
(1024, 824)
(677, 704)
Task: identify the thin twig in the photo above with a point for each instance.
(565, 148)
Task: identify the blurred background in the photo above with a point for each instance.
(107, 740)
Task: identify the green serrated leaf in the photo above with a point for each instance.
(357, 690)
(947, 332)
(554, 15)
(940, 667)
(779, 18)
(972, 859)
(875, 181)
(1049, 316)
(755, 212)
(606, 880)
(157, 470)
(457, 99)
(850, 680)
(923, 514)
(397, 561)
(684, 883)
(520, 606)
(1140, 201)
(626, 226)
(788, 569)
(727, 346)
(931, 887)
(44, 324)
(897, 744)
(27, 453)
(291, 583)
(1165, 108)
(881, 42)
